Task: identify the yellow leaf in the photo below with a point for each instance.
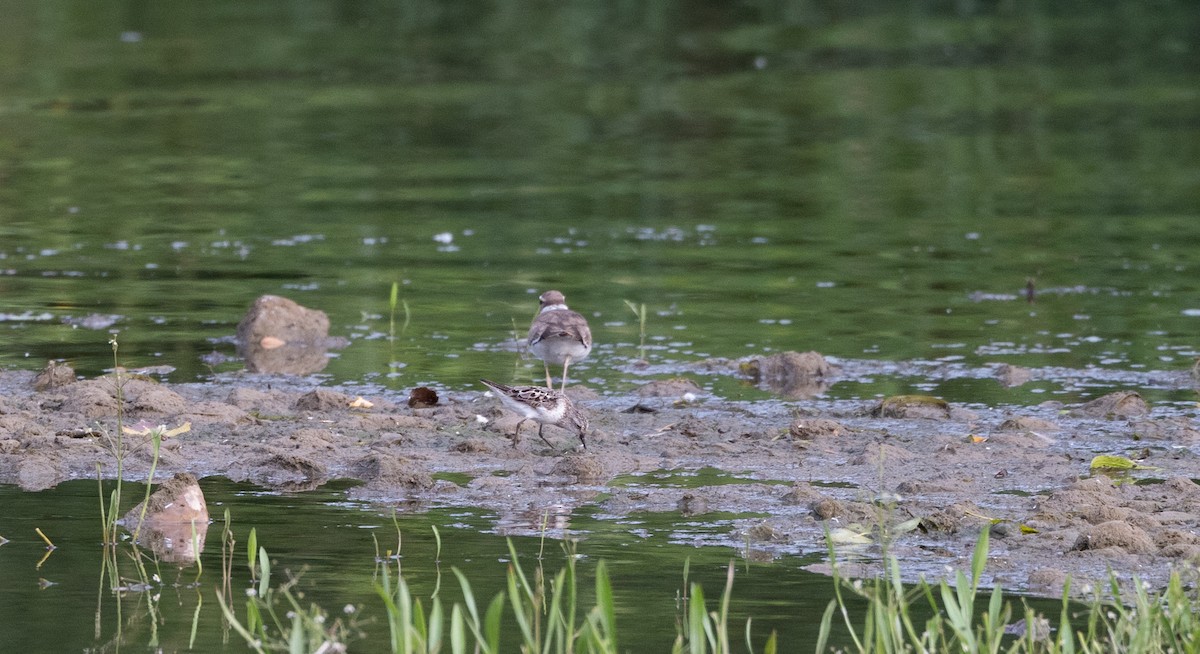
(181, 429)
(843, 536)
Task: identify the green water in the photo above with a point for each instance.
(331, 544)
(867, 181)
(875, 181)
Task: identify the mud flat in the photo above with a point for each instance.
(932, 474)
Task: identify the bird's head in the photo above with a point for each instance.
(582, 427)
(551, 298)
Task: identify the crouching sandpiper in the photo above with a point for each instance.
(542, 405)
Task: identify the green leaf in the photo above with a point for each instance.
(696, 619)
(491, 623)
(1112, 462)
(771, 646)
(264, 563)
(604, 601)
(252, 549)
(458, 631)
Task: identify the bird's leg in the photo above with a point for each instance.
(516, 437)
(566, 364)
(549, 384)
(583, 439)
(540, 426)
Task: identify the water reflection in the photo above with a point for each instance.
(758, 190)
(173, 522)
(174, 542)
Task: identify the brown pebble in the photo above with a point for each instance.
(422, 397)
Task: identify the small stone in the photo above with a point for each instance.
(422, 397)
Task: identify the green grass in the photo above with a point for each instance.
(542, 613)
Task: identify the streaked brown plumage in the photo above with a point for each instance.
(543, 405)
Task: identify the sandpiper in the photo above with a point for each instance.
(559, 335)
(543, 405)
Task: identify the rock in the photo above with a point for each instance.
(791, 374)
(179, 500)
(280, 336)
(912, 406)
(54, 375)
(809, 428)
(1121, 404)
(283, 319)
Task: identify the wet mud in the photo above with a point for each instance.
(923, 475)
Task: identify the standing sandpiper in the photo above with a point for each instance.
(545, 406)
(559, 335)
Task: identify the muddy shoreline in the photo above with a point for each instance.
(934, 474)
